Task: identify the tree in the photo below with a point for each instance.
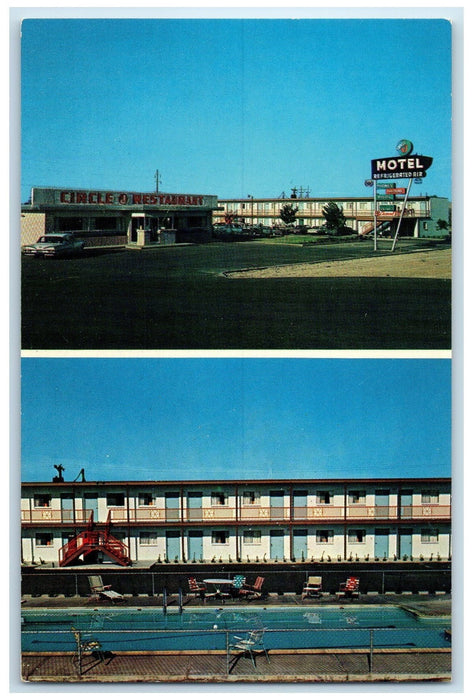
(335, 221)
(288, 213)
(442, 225)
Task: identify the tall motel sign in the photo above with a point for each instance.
(406, 166)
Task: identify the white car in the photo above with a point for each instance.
(54, 245)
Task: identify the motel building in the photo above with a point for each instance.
(418, 220)
(111, 218)
(100, 522)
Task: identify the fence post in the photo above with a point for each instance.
(371, 651)
(227, 652)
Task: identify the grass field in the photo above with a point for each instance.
(178, 298)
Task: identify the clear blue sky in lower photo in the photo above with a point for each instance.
(232, 107)
(196, 418)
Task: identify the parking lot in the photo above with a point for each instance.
(179, 298)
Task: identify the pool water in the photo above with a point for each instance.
(324, 627)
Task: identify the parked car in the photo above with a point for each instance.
(54, 245)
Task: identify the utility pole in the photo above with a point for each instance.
(158, 181)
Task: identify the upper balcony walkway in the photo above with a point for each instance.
(246, 514)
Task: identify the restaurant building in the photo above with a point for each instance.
(67, 523)
(106, 218)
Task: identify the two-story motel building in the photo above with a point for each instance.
(232, 520)
(418, 217)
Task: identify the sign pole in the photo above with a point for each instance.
(375, 240)
(402, 213)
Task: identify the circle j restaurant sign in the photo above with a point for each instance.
(404, 166)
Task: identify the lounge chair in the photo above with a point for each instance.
(351, 588)
(313, 587)
(100, 591)
(197, 588)
(252, 644)
(253, 590)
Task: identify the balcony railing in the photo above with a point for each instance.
(243, 514)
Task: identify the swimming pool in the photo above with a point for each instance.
(326, 627)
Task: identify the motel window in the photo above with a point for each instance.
(145, 499)
(357, 497)
(356, 536)
(252, 536)
(431, 496)
(250, 498)
(148, 538)
(42, 500)
(429, 535)
(323, 497)
(44, 539)
(220, 537)
(324, 536)
(218, 499)
(116, 499)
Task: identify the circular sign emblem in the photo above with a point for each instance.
(405, 147)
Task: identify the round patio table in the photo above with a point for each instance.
(218, 584)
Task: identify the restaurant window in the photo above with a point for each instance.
(116, 499)
(323, 497)
(356, 536)
(252, 537)
(219, 499)
(250, 498)
(324, 536)
(356, 496)
(220, 537)
(105, 223)
(42, 500)
(429, 535)
(145, 499)
(431, 496)
(44, 539)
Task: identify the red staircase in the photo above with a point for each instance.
(94, 540)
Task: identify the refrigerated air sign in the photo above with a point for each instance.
(400, 167)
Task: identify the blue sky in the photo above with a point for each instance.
(212, 418)
(232, 106)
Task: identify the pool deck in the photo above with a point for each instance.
(307, 666)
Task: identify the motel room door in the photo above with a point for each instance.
(381, 542)
(195, 542)
(276, 504)
(194, 505)
(276, 544)
(91, 503)
(171, 500)
(67, 507)
(299, 544)
(381, 503)
(405, 542)
(173, 545)
(300, 505)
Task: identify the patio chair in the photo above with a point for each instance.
(85, 644)
(238, 582)
(351, 587)
(253, 590)
(312, 587)
(196, 587)
(251, 645)
(100, 591)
